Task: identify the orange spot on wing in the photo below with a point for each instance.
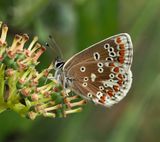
(116, 88)
(101, 101)
(116, 69)
(120, 82)
(121, 59)
(110, 92)
(120, 76)
(122, 52)
(118, 40)
(103, 98)
(121, 46)
(111, 64)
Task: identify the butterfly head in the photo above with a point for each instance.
(60, 74)
(58, 65)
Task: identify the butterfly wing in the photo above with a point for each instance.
(117, 48)
(101, 72)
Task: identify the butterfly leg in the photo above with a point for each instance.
(65, 94)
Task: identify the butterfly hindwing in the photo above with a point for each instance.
(103, 85)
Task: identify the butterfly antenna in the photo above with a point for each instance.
(55, 47)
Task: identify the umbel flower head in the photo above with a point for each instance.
(25, 90)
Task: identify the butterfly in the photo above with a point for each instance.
(100, 73)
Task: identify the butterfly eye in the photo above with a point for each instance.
(59, 64)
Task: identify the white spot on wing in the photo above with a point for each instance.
(100, 70)
(96, 55)
(110, 49)
(85, 78)
(109, 59)
(108, 83)
(101, 88)
(82, 69)
(93, 77)
(111, 75)
(106, 46)
(112, 54)
(100, 64)
(84, 84)
(89, 95)
(99, 94)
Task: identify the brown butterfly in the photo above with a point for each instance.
(100, 73)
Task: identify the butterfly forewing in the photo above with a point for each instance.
(117, 49)
(101, 72)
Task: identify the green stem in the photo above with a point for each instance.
(3, 105)
(13, 100)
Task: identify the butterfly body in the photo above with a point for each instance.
(100, 73)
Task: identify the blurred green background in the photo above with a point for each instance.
(76, 24)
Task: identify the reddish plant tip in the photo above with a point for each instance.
(10, 72)
(46, 72)
(39, 53)
(40, 91)
(27, 52)
(47, 94)
(21, 65)
(25, 91)
(55, 89)
(1, 58)
(21, 81)
(1, 44)
(34, 97)
(43, 48)
(11, 54)
(39, 108)
(17, 37)
(34, 83)
(26, 37)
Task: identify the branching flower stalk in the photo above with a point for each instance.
(25, 90)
